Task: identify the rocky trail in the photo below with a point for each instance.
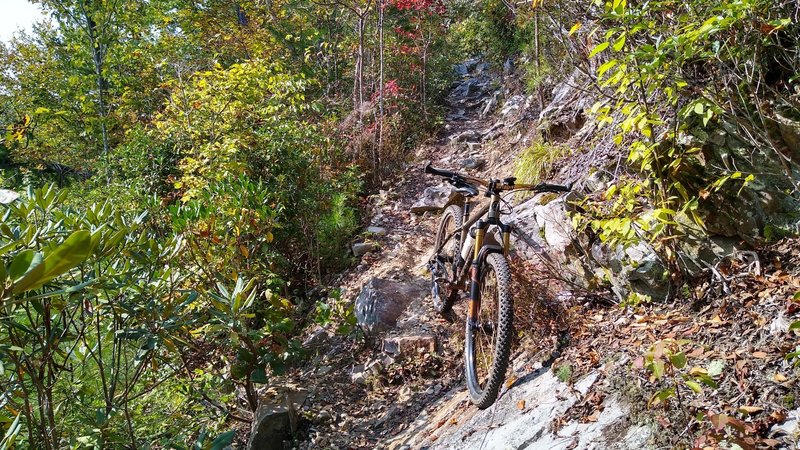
(577, 379)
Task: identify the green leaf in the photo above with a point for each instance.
(695, 386)
(699, 108)
(67, 256)
(606, 67)
(658, 369)
(23, 262)
(707, 380)
(678, 360)
(660, 396)
(67, 291)
(11, 434)
(259, 376)
(575, 28)
(599, 48)
(620, 43)
(795, 325)
(223, 440)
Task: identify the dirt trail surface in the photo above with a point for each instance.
(580, 378)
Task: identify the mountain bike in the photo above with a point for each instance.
(471, 250)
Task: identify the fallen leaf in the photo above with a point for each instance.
(694, 371)
(779, 377)
(521, 405)
(750, 409)
(510, 381)
(696, 353)
(719, 421)
(760, 354)
(778, 416)
(453, 421)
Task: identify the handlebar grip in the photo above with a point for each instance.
(546, 187)
(438, 172)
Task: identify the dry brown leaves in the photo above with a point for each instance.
(734, 330)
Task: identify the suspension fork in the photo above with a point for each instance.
(506, 230)
(474, 287)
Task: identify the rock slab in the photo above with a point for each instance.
(381, 302)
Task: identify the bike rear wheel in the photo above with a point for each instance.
(488, 336)
(443, 264)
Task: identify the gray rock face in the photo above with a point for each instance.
(521, 419)
(790, 132)
(545, 229)
(596, 182)
(508, 66)
(637, 268)
(434, 198)
(317, 339)
(789, 430)
(513, 105)
(470, 88)
(381, 302)
(276, 420)
(362, 248)
(553, 219)
(490, 105)
(467, 136)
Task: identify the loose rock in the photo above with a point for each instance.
(381, 302)
(434, 198)
(362, 248)
(409, 345)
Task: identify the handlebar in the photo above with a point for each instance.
(507, 185)
(439, 172)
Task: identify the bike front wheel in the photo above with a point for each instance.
(488, 336)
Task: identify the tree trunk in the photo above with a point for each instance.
(98, 58)
(539, 93)
(377, 156)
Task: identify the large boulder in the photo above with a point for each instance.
(434, 198)
(276, 419)
(542, 225)
(381, 302)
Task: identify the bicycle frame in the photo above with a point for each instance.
(476, 247)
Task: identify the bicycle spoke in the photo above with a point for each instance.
(486, 333)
